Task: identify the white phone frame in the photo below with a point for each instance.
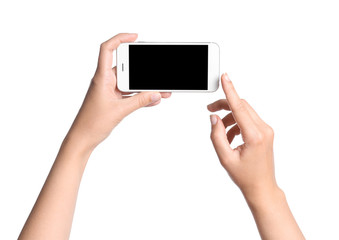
(123, 66)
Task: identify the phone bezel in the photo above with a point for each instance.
(123, 66)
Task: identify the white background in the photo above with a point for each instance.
(157, 176)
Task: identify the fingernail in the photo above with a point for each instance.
(213, 119)
(155, 97)
(227, 77)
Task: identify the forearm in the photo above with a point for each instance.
(52, 214)
(273, 216)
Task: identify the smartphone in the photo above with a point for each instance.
(168, 67)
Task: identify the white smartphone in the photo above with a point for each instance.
(168, 67)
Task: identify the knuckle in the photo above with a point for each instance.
(261, 136)
(241, 106)
(222, 102)
(243, 101)
(258, 138)
(94, 82)
(142, 101)
(269, 132)
(103, 46)
(212, 136)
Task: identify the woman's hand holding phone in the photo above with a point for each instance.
(103, 108)
(104, 105)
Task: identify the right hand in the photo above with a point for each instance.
(250, 165)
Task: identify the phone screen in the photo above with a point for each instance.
(168, 67)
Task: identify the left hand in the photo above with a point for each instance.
(104, 105)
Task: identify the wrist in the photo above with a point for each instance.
(76, 145)
(264, 197)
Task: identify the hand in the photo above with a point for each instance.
(104, 105)
(251, 164)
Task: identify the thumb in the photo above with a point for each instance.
(219, 139)
(140, 100)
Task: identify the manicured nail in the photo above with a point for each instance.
(155, 97)
(227, 77)
(213, 119)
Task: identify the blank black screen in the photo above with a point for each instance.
(168, 67)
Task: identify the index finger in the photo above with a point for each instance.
(106, 49)
(238, 107)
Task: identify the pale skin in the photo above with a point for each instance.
(249, 165)
(103, 108)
